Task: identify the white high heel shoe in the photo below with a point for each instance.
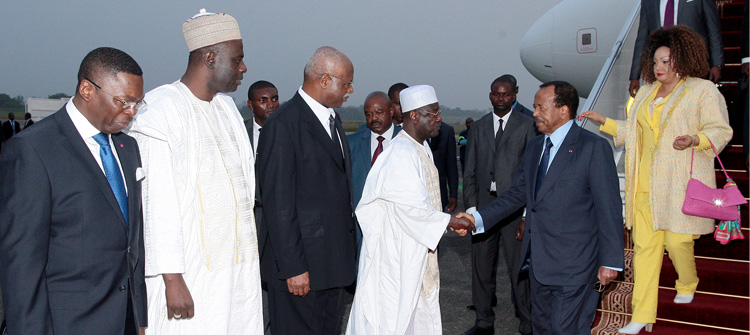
(635, 328)
(683, 298)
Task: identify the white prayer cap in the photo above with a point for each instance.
(204, 29)
(417, 96)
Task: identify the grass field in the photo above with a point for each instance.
(18, 111)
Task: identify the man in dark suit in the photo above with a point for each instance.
(71, 240)
(443, 149)
(494, 150)
(700, 15)
(368, 143)
(573, 233)
(394, 93)
(463, 139)
(307, 240)
(28, 122)
(517, 106)
(10, 127)
(262, 99)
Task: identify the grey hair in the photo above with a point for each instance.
(323, 61)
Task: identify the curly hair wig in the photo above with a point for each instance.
(687, 52)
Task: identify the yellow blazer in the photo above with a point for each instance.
(695, 106)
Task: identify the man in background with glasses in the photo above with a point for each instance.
(71, 239)
(202, 263)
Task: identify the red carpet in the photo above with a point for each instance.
(722, 300)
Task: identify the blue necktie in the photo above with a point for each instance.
(541, 171)
(112, 171)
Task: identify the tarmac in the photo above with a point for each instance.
(454, 259)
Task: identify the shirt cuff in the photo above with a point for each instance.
(705, 143)
(609, 127)
(478, 223)
(471, 210)
(746, 60)
(611, 268)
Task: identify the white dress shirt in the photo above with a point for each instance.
(87, 132)
(387, 135)
(321, 112)
(496, 119)
(256, 136)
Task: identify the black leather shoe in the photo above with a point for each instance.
(476, 330)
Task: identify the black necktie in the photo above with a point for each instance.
(499, 134)
(334, 134)
(541, 171)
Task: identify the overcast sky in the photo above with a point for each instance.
(458, 47)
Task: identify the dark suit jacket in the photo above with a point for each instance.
(359, 144)
(574, 225)
(28, 123)
(8, 130)
(521, 108)
(66, 254)
(483, 163)
(308, 215)
(443, 149)
(700, 15)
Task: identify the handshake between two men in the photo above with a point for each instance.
(462, 223)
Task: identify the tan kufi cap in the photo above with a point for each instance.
(206, 29)
(417, 96)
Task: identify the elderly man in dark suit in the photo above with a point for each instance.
(71, 240)
(573, 233)
(700, 15)
(493, 152)
(306, 240)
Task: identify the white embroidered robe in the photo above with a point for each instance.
(198, 200)
(398, 283)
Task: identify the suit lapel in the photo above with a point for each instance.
(511, 127)
(73, 142)
(128, 159)
(316, 130)
(562, 159)
(536, 147)
(489, 132)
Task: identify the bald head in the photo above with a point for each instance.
(328, 77)
(325, 60)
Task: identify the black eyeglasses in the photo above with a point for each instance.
(137, 105)
(348, 83)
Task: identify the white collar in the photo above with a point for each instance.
(322, 112)
(388, 134)
(82, 124)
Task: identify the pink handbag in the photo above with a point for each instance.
(721, 204)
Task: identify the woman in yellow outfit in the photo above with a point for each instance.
(676, 111)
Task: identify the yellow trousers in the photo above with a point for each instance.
(648, 255)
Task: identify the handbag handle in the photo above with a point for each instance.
(692, 156)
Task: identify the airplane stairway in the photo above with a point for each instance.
(722, 303)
